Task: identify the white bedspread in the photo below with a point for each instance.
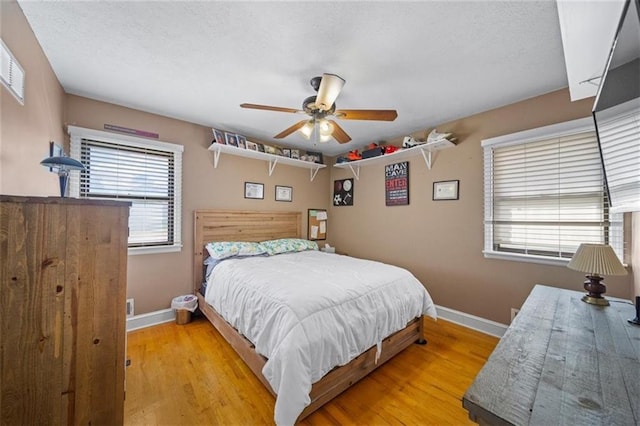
(309, 312)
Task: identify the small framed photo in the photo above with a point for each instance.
(315, 157)
(231, 139)
(260, 147)
(254, 190)
(242, 141)
(445, 190)
(286, 152)
(295, 153)
(270, 149)
(252, 146)
(218, 137)
(284, 193)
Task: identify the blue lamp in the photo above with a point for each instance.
(64, 165)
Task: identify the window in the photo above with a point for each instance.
(146, 173)
(12, 74)
(545, 194)
(619, 130)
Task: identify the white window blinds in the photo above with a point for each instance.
(544, 192)
(145, 173)
(619, 133)
(12, 74)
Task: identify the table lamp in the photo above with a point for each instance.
(64, 165)
(596, 260)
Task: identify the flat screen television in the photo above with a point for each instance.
(616, 113)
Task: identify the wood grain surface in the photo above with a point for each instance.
(188, 374)
(562, 361)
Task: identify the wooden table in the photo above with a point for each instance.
(562, 361)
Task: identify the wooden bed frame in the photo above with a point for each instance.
(231, 225)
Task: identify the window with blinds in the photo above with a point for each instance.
(11, 73)
(145, 173)
(619, 135)
(545, 193)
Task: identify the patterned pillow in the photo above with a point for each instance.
(226, 249)
(288, 245)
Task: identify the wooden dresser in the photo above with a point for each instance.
(62, 317)
(562, 361)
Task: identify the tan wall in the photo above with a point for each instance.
(441, 242)
(154, 279)
(26, 130)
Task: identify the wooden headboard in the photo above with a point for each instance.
(239, 225)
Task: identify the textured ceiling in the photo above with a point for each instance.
(432, 61)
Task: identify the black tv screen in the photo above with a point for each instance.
(616, 113)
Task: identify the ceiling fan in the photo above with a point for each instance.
(322, 106)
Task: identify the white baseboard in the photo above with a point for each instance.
(152, 318)
(471, 321)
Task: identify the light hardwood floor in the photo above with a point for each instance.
(188, 375)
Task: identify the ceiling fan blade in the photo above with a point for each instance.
(367, 114)
(270, 108)
(338, 133)
(328, 92)
(286, 132)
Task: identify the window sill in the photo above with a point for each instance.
(554, 261)
(134, 251)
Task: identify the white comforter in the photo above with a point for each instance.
(309, 312)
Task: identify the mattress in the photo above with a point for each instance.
(309, 312)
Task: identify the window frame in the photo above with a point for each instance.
(615, 229)
(77, 134)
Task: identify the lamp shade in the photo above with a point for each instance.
(329, 89)
(597, 259)
(62, 162)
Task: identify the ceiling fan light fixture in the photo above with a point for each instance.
(307, 129)
(330, 87)
(325, 128)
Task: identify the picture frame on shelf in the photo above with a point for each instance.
(231, 139)
(286, 152)
(446, 190)
(254, 190)
(284, 193)
(252, 146)
(315, 157)
(218, 137)
(270, 149)
(260, 147)
(242, 141)
(295, 154)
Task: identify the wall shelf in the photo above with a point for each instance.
(427, 150)
(272, 159)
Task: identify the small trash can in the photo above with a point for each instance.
(184, 306)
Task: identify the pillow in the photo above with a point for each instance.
(225, 249)
(288, 245)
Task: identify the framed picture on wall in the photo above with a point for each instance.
(284, 193)
(396, 184)
(254, 190)
(343, 192)
(445, 190)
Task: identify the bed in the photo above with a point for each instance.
(252, 226)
